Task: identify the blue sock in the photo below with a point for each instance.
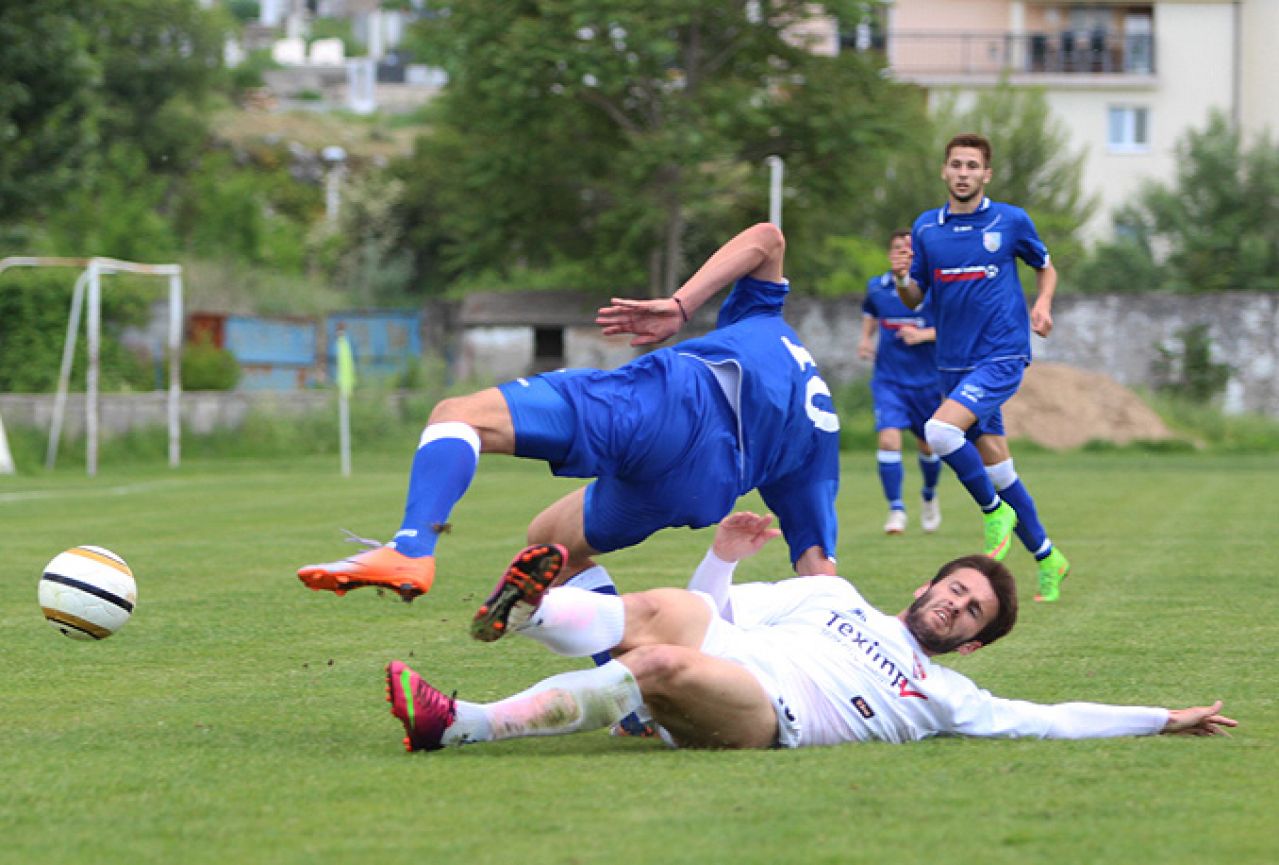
(930, 468)
(1030, 531)
(890, 477)
(972, 474)
(442, 470)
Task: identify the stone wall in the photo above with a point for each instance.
(1118, 335)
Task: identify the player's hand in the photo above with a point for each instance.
(865, 350)
(909, 334)
(741, 535)
(1041, 319)
(652, 321)
(899, 260)
(1198, 721)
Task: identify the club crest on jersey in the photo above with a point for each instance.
(991, 240)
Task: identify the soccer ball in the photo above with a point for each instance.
(87, 593)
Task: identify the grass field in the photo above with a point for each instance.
(240, 718)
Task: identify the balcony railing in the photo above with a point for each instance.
(1063, 53)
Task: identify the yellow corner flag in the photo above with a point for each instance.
(346, 366)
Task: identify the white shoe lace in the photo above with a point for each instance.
(353, 538)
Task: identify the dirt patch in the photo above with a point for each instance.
(1063, 407)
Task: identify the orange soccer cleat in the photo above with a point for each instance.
(383, 567)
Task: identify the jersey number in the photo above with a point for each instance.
(826, 421)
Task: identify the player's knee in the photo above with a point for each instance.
(658, 669)
(1002, 474)
(942, 437)
(454, 408)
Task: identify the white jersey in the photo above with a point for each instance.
(839, 670)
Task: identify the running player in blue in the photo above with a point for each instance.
(672, 438)
(904, 387)
(963, 257)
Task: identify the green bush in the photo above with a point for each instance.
(34, 308)
(205, 366)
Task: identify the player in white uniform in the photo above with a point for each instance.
(806, 661)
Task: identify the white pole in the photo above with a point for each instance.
(775, 170)
(91, 379)
(64, 372)
(6, 456)
(344, 432)
(175, 368)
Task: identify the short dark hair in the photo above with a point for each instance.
(1002, 582)
(901, 232)
(970, 139)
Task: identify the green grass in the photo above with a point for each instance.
(239, 718)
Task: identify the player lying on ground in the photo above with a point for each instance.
(806, 661)
(672, 438)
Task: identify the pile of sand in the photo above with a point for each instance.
(1062, 407)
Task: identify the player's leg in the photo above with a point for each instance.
(946, 435)
(922, 403)
(930, 473)
(1053, 565)
(703, 701)
(888, 460)
(566, 703)
(890, 419)
(442, 468)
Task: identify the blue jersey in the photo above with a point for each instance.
(676, 435)
(966, 263)
(787, 419)
(897, 362)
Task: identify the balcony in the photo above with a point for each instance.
(928, 57)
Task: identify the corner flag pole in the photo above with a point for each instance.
(346, 385)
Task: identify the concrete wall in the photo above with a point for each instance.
(1117, 335)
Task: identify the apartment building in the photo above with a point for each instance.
(1127, 79)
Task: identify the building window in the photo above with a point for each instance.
(1128, 130)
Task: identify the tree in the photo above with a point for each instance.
(48, 105)
(1215, 228)
(631, 134)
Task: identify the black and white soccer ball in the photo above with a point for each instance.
(87, 593)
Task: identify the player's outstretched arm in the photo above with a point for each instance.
(758, 251)
(1198, 721)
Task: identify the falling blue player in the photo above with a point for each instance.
(672, 438)
(904, 387)
(963, 257)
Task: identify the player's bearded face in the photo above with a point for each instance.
(937, 625)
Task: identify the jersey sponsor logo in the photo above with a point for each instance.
(823, 419)
(966, 274)
(899, 323)
(863, 708)
(845, 632)
(991, 240)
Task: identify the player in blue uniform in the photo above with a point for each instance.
(905, 389)
(671, 438)
(963, 257)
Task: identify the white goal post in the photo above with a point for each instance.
(90, 283)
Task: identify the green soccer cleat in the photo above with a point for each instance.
(999, 531)
(1053, 568)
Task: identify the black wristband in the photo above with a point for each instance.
(683, 312)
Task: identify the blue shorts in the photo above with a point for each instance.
(657, 434)
(899, 406)
(983, 390)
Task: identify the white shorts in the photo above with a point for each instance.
(765, 658)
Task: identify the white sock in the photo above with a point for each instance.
(566, 703)
(576, 622)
